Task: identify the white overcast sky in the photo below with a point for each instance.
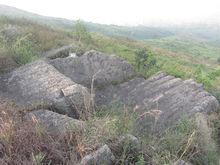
(123, 12)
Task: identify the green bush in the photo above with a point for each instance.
(202, 77)
(81, 34)
(214, 74)
(24, 51)
(144, 59)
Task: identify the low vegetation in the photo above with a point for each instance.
(22, 141)
(26, 141)
(176, 60)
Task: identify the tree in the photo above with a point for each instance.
(144, 59)
(141, 58)
(81, 33)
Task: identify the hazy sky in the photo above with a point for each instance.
(123, 12)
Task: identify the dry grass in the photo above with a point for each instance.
(27, 142)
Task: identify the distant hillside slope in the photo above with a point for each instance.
(139, 32)
(13, 12)
(209, 31)
(187, 45)
(178, 51)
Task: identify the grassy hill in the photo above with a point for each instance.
(139, 32)
(186, 52)
(191, 46)
(24, 37)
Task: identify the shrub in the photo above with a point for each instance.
(144, 59)
(24, 50)
(145, 62)
(214, 74)
(81, 34)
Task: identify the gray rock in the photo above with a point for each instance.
(102, 68)
(102, 156)
(61, 52)
(181, 162)
(55, 123)
(131, 142)
(39, 83)
(127, 144)
(163, 98)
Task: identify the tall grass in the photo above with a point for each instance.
(190, 140)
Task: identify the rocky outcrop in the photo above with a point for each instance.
(60, 83)
(39, 83)
(102, 68)
(55, 123)
(61, 52)
(101, 156)
(164, 98)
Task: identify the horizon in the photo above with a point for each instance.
(170, 12)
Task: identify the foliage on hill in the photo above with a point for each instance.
(25, 41)
(190, 46)
(172, 55)
(181, 58)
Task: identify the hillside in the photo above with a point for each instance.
(186, 45)
(179, 56)
(84, 93)
(96, 109)
(111, 30)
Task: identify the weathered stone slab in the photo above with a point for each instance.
(39, 83)
(61, 52)
(102, 68)
(60, 83)
(162, 97)
(55, 123)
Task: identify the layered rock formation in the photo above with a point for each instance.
(55, 123)
(162, 97)
(102, 68)
(40, 83)
(63, 84)
(72, 86)
(61, 52)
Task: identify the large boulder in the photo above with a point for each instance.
(102, 156)
(60, 83)
(164, 98)
(55, 123)
(39, 83)
(95, 68)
